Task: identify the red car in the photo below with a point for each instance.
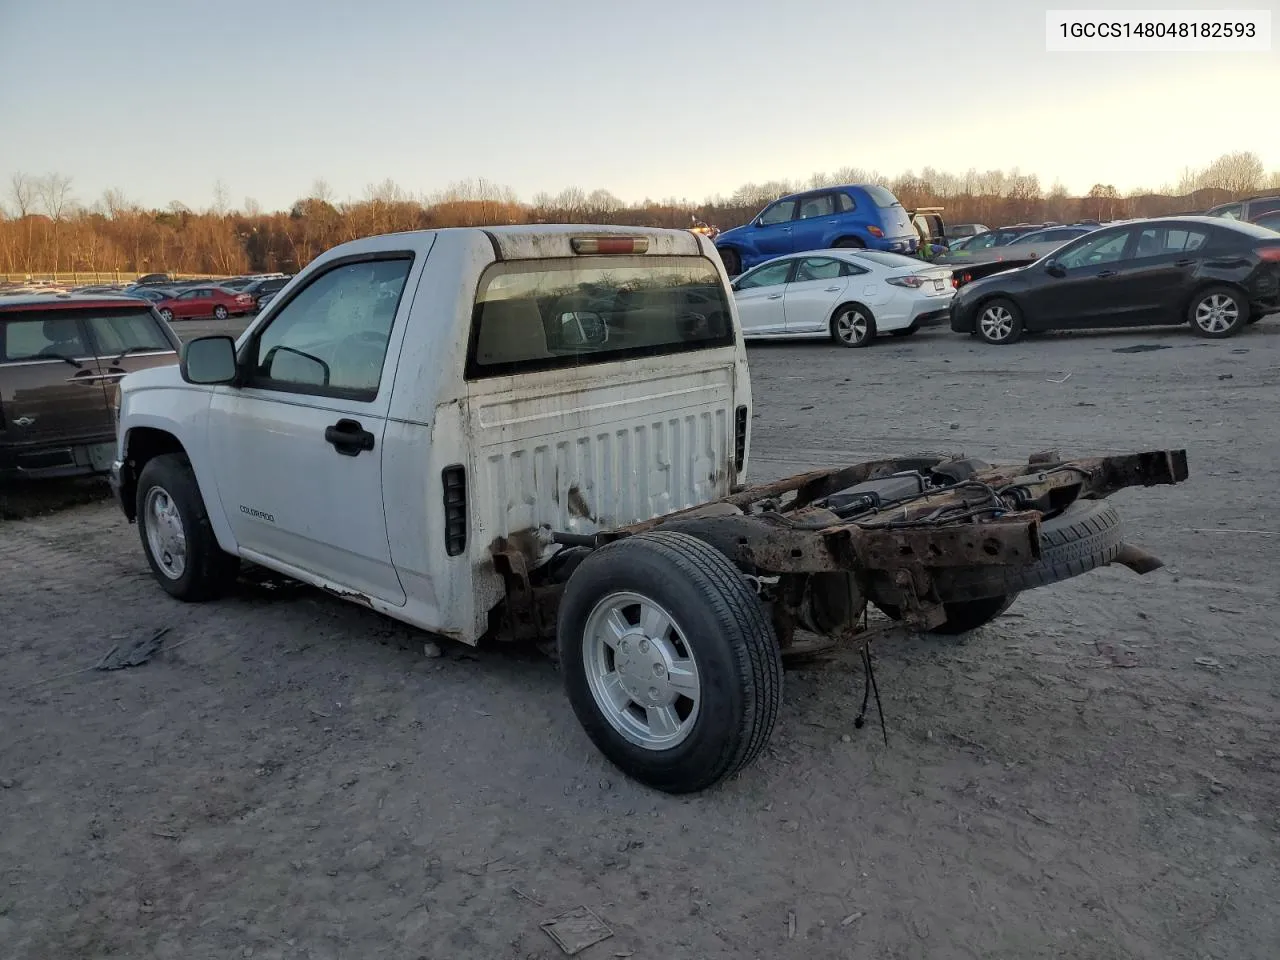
(205, 302)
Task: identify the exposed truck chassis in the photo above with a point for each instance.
(817, 571)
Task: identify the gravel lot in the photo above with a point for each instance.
(1093, 776)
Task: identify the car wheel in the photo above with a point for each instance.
(220, 312)
(176, 534)
(962, 616)
(852, 243)
(1218, 312)
(853, 326)
(669, 660)
(905, 331)
(732, 261)
(166, 314)
(999, 322)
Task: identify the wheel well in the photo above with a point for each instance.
(847, 237)
(849, 303)
(142, 444)
(1208, 284)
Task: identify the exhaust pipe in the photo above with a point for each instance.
(1137, 559)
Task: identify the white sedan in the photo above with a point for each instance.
(850, 295)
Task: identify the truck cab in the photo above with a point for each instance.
(408, 401)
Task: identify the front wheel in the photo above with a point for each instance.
(1000, 322)
(853, 326)
(669, 661)
(1218, 312)
(220, 312)
(732, 262)
(177, 537)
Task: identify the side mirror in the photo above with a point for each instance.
(209, 360)
(1054, 269)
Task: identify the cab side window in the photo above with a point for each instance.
(331, 337)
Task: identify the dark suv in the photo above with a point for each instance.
(1249, 210)
(60, 359)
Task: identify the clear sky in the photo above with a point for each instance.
(645, 98)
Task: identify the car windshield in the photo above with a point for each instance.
(894, 260)
(882, 197)
(547, 314)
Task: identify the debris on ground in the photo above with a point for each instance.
(791, 924)
(133, 653)
(1208, 662)
(576, 930)
(851, 918)
(431, 650)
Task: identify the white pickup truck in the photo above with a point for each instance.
(540, 434)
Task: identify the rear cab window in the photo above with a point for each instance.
(559, 313)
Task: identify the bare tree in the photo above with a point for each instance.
(252, 208)
(54, 193)
(22, 190)
(221, 198)
(1237, 172)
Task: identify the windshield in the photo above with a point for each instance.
(882, 197)
(545, 314)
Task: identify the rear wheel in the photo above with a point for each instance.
(853, 326)
(999, 322)
(732, 262)
(852, 243)
(220, 312)
(669, 661)
(166, 314)
(1218, 312)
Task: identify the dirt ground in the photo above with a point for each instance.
(1093, 776)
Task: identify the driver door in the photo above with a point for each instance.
(297, 449)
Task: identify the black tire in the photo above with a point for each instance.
(963, 615)
(732, 262)
(1086, 535)
(220, 312)
(208, 570)
(850, 331)
(1218, 312)
(167, 315)
(1005, 315)
(850, 243)
(727, 633)
(906, 331)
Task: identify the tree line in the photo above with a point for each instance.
(45, 229)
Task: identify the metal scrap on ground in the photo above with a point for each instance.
(133, 653)
(576, 930)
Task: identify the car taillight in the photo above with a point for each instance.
(875, 231)
(609, 245)
(455, 509)
(1269, 254)
(912, 281)
(739, 438)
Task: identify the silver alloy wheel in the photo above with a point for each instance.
(166, 535)
(996, 323)
(851, 326)
(641, 671)
(167, 315)
(1217, 314)
(220, 312)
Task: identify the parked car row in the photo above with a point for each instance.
(1215, 274)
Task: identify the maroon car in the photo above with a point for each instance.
(205, 302)
(60, 359)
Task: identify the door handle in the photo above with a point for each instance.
(833, 289)
(348, 437)
(774, 296)
(1106, 273)
(1183, 263)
